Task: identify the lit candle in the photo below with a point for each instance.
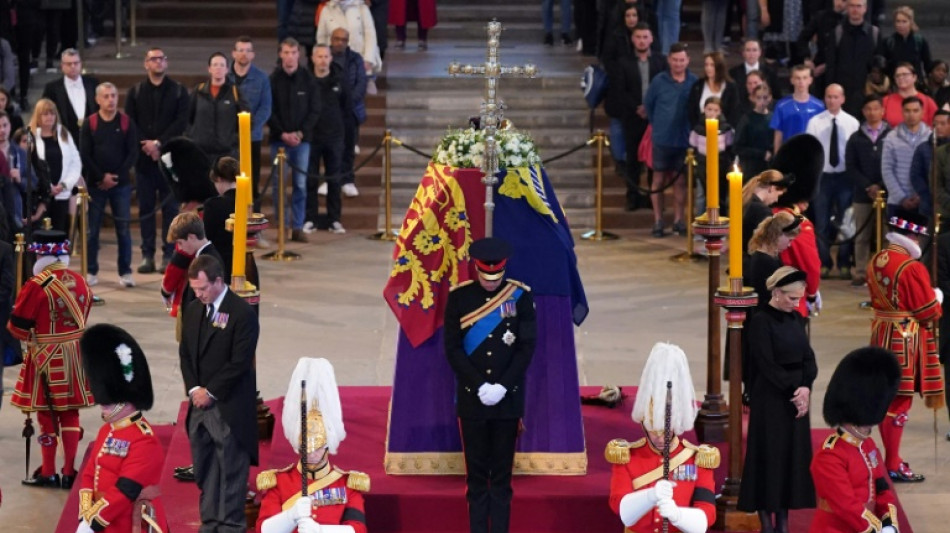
(735, 223)
(240, 225)
(244, 129)
(712, 163)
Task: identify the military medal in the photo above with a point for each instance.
(117, 447)
(508, 338)
(509, 309)
(685, 473)
(220, 320)
(331, 496)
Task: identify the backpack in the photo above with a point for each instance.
(594, 85)
(94, 122)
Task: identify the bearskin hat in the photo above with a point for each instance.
(116, 367)
(187, 169)
(803, 157)
(862, 387)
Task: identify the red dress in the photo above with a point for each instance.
(852, 487)
(337, 495)
(905, 309)
(50, 316)
(691, 468)
(424, 14)
(802, 254)
(122, 471)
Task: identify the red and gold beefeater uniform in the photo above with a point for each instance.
(639, 465)
(119, 485)
(337, 495)
(905, 310)
(802, 254)
(854, 494)
(50, 316)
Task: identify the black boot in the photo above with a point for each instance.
(766, 518)
(67, 481)
(51, 482)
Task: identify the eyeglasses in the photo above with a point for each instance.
(157, 58)
(903, 74)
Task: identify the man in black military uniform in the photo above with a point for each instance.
(490, 334)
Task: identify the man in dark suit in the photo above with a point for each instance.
(73, 94)
(219, 208)
(752, 60)
(218, 342)
(490, 332)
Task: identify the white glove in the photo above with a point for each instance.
(890, 529)
(663, 490)
(483, 390)
(167, 159)
(939, 294)
(307, 525)
(84, 527)
(301, 509)
(494, 394)
(668, 509)
(636, 504)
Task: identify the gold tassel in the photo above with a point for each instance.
(708, 457)
(358, 481)
(617, 452)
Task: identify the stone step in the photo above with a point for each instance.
(186, 13)
(507, 87)
(526, 118)
(567, 99)
(170, 28)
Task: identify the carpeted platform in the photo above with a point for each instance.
(416, 504)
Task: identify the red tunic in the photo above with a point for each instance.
(695, 486)
(852, 487)
(327, 492)
(175, 278)
(905, 309)
(399, 13)
(50, 316)
(802, 254)
(122, 464)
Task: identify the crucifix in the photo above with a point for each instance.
(492, 108)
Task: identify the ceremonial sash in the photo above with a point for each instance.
(657, 472)
(486, 318)
(327, 480)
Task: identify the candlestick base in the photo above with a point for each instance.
(245, 289)
(389, 236)
(594, 235)
(728, 518)
(281, 256)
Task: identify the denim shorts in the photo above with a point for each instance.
(668, 158)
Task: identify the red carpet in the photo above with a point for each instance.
(411, 504)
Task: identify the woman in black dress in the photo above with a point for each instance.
(778, 448)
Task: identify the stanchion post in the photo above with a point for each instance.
(80, 27)
(689, 255)
(82, 208)
(281, 254)
(19, 249)
(387, 234)
(133, 23)
(118, 30)
(598, 234)
(879, 206)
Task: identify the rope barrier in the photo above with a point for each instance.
(168, 198)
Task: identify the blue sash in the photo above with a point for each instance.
(485, 325)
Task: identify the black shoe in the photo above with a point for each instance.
(679, 228)
(905, 475)
(186, 468)
(66, 481)
(147, 266)
(185, 473)
(51, 482)
(657, 230)
(548, 39)
(566, 39)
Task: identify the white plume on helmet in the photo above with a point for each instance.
(667, 362)
(322, 394)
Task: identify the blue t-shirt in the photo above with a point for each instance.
(791, 117)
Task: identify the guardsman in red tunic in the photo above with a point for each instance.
(334, 501)
(906, 307)
(639, 494)
(850, 480)
(118, 488)
(49, 316)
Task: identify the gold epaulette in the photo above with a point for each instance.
(618, 450)
(267, 479)
(830, 442)
(706, 456)
(519, 284)
(463, 284)
(144, 427)
(357, 481)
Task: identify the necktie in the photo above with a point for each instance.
(833, 157)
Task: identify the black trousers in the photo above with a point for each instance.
(489, 447)
(330, 152)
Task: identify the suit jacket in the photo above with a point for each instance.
(624, 91)
(56, 91)
(221, 359)
(502, 357)
(215, 213)
(738, 75)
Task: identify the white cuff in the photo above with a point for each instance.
(279, 523)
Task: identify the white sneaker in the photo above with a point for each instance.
(337, 228)
(126, 280)
(92, 280)
(308, 227)
(350, 190)
(356, 149)
(322, 189)
(371, 87)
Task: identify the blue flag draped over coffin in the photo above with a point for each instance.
(423, 436)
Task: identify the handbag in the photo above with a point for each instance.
(594, 85)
